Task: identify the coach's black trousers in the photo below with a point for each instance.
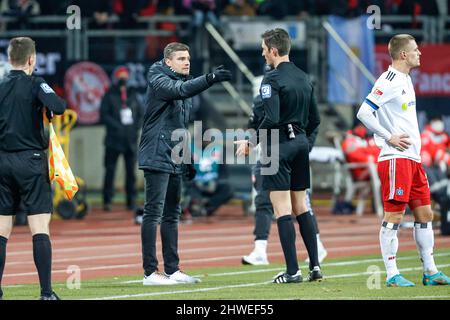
(162, 205)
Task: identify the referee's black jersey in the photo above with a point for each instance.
(288, 97)
(22, 99)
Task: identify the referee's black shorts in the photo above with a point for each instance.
(293, 172)
(24, 183)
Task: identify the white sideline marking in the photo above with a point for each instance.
(181, 291)
(331, 264)
(140, 295)
(197, 260)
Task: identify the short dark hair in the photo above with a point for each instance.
(173, 47)
(277, 38)
(398, 43)
(20, 49)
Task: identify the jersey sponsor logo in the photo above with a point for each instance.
(46, 88)
(85, 85)
(266, 91)
(399, 192)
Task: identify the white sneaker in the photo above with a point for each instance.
(157, 279)
(255, 259)
(181, 277)
(322, 254)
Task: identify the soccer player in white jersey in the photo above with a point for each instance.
(403, 179)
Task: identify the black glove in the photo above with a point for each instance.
(218, 75)
(49, 114)
(190, 172)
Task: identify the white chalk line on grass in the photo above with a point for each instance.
(199, 260)
(254, 284)
(324, 265)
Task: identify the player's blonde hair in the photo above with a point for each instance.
(398, 43)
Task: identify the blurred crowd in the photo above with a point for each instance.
(127, 11)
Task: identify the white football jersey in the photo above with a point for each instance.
(394, 100)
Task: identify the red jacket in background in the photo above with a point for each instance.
(357, 149)
(434, 147)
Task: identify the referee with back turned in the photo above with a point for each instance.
(290, 107)
(24, 175)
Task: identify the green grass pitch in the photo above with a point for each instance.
(345, 278)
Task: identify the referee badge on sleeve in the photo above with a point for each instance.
(46, 88)
(266, 91)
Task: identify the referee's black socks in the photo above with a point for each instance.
(286, 231)
(42, 254)
(308, 232)
(3, 242)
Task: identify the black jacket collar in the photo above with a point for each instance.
(161, 66)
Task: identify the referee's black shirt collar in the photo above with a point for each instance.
(17, 72)
(284, 62)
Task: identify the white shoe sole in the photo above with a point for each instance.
(246, 261)
(154, 283)
(159, 284)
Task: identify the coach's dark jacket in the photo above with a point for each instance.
(168, 106)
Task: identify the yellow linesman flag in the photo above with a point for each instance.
(59, 168)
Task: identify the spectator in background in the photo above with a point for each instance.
(239, 8)
(435, 144)
(128, 13)
(276, 9)
(204, 11)
(156, 44)
(122, 115)
(210, 188)
(100, 10)
(360, 147)
(20, 9)
(348, 8)
(301, 8)
(435, 157)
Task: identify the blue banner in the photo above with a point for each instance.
(346, 83)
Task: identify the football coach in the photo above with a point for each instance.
(168, 104)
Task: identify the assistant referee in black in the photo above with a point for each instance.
(290, 107)
(24, 175)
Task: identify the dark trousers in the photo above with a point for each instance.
(264, 209)
(214, 200)
(162, 205)
(111, 157)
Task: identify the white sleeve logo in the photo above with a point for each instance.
(266, 91)
(46, 88)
